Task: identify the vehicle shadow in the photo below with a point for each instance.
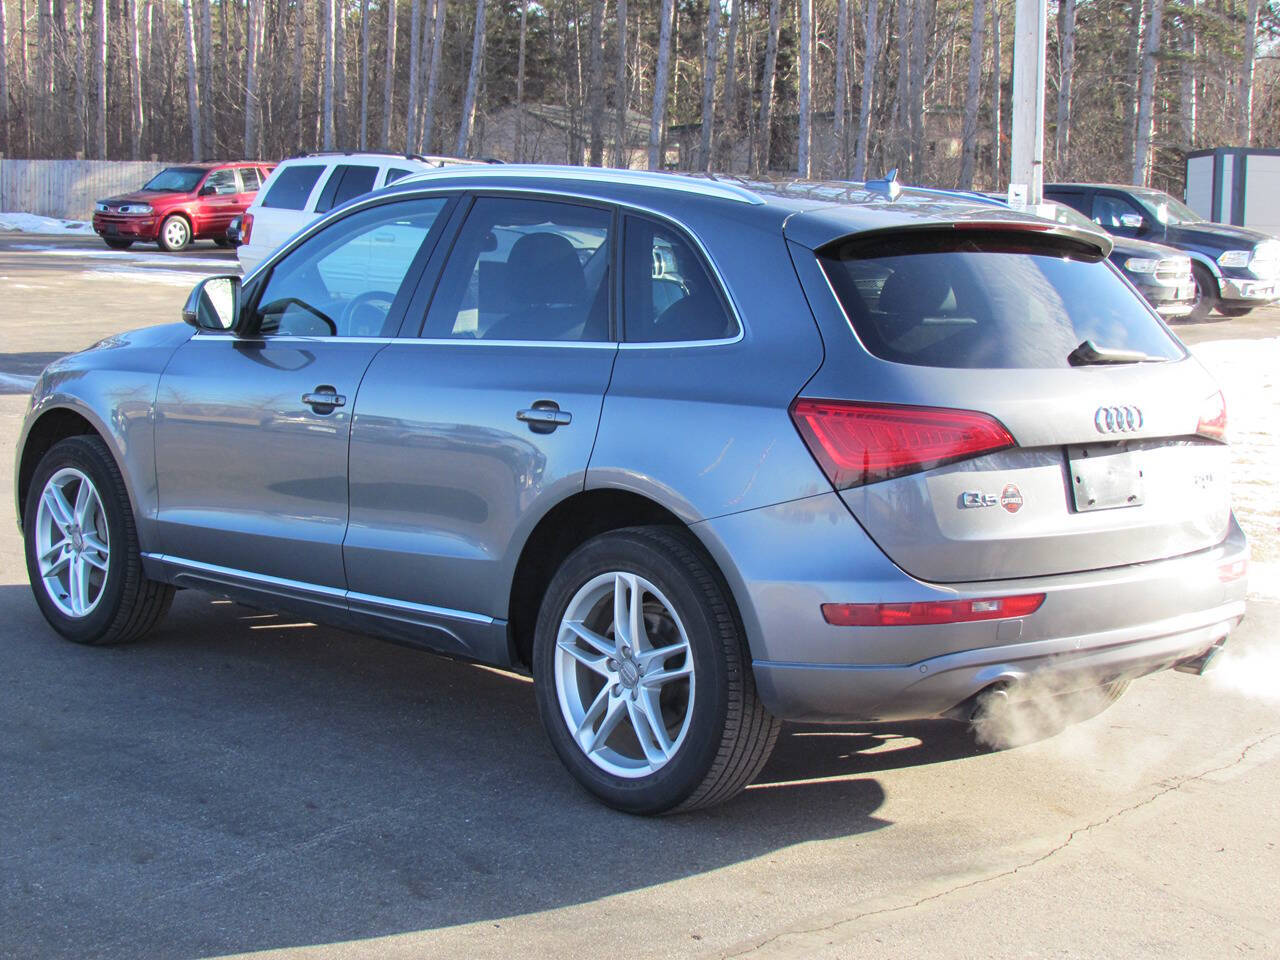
(18, 371)
(243, 780)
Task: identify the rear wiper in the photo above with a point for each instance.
(1089, 353)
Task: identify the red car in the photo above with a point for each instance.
(195, 201)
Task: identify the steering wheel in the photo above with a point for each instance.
(366, 313)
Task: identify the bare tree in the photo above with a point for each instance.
(620, 91)
(80, 132)
(595, 85)
(766, 87)
(389, 84)
(973, 93)
(252, 33)
(902, 102)
(1187, 82)
(709, 64)
(326, 54)
(1067, 46)
(341, 122)
(997, 79)
(136, 114)
(919, 37)
(206, 77)
(100, 66)
(1146, 93)
(524, 33)
(803, 163)
(870, 55)
(433, 77)
(730, 125)
(299, 37)
(193, 82)
(839, 135)
(412, 111)
(4, 82)
(1133, 68)
(660, 85)
(364, 75)
(1245, 133)
(473, 82)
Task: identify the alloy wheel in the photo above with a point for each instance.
(73, 544)
(175, 233)
(624, 675)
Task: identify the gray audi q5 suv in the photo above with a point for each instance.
(702, 455)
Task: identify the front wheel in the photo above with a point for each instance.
(1233, 311)
(82, 550)
(642, 675)
(1206, 293)
(175, 233)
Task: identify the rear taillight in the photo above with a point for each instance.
(930, 612)
(246, 228)
(1234, 570)
(1213, 418)
(857, 443)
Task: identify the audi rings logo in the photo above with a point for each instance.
(1124, 419)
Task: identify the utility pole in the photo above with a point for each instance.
(1026, 173)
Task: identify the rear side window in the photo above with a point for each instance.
(292, 187)
(395, 173)
(250, 177)
(668, 293)
(346, 181)
(222, 183)
(987, 301)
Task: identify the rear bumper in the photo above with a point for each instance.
(784, 562)
(934, 687)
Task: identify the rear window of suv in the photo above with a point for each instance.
(292, 187)
(989, 300)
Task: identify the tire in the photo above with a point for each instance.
(175, 233)
(1234, 311)
(224, 243)
(118, 604)
(117, 244)
(717, 733)
(1206, 293)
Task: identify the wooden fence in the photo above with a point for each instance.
(68, 188)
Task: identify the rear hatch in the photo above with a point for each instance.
(996, 402)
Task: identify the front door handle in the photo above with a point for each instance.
(544, 416)
(324, 399)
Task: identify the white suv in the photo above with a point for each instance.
(303, 188)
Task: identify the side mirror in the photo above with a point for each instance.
(1131, 220)
(214, 304)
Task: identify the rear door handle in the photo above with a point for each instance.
(544, 416)
(324, 399)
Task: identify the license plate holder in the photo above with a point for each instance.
(1105, 477)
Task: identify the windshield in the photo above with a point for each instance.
(1166, 209)
(992, 300)
(175, 179)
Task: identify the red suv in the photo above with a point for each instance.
(196, 201)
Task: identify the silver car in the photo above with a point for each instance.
(701, 455)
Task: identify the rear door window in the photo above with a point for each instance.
(987, 301)
(292, 186)
(222, 183)
(345, 182)
(249, 177)
(668, 292)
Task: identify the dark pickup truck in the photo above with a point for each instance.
(1235, 269)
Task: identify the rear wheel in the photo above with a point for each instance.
(117, 244)
(175, 233)
(1206, 293)
(82, 548)
(642, 676)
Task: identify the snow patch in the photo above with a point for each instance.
(33, 223)
(127, 256)
(176, 278)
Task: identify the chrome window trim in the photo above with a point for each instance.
(300, 586)
(550, 193)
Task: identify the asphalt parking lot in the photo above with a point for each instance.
(245, 782)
